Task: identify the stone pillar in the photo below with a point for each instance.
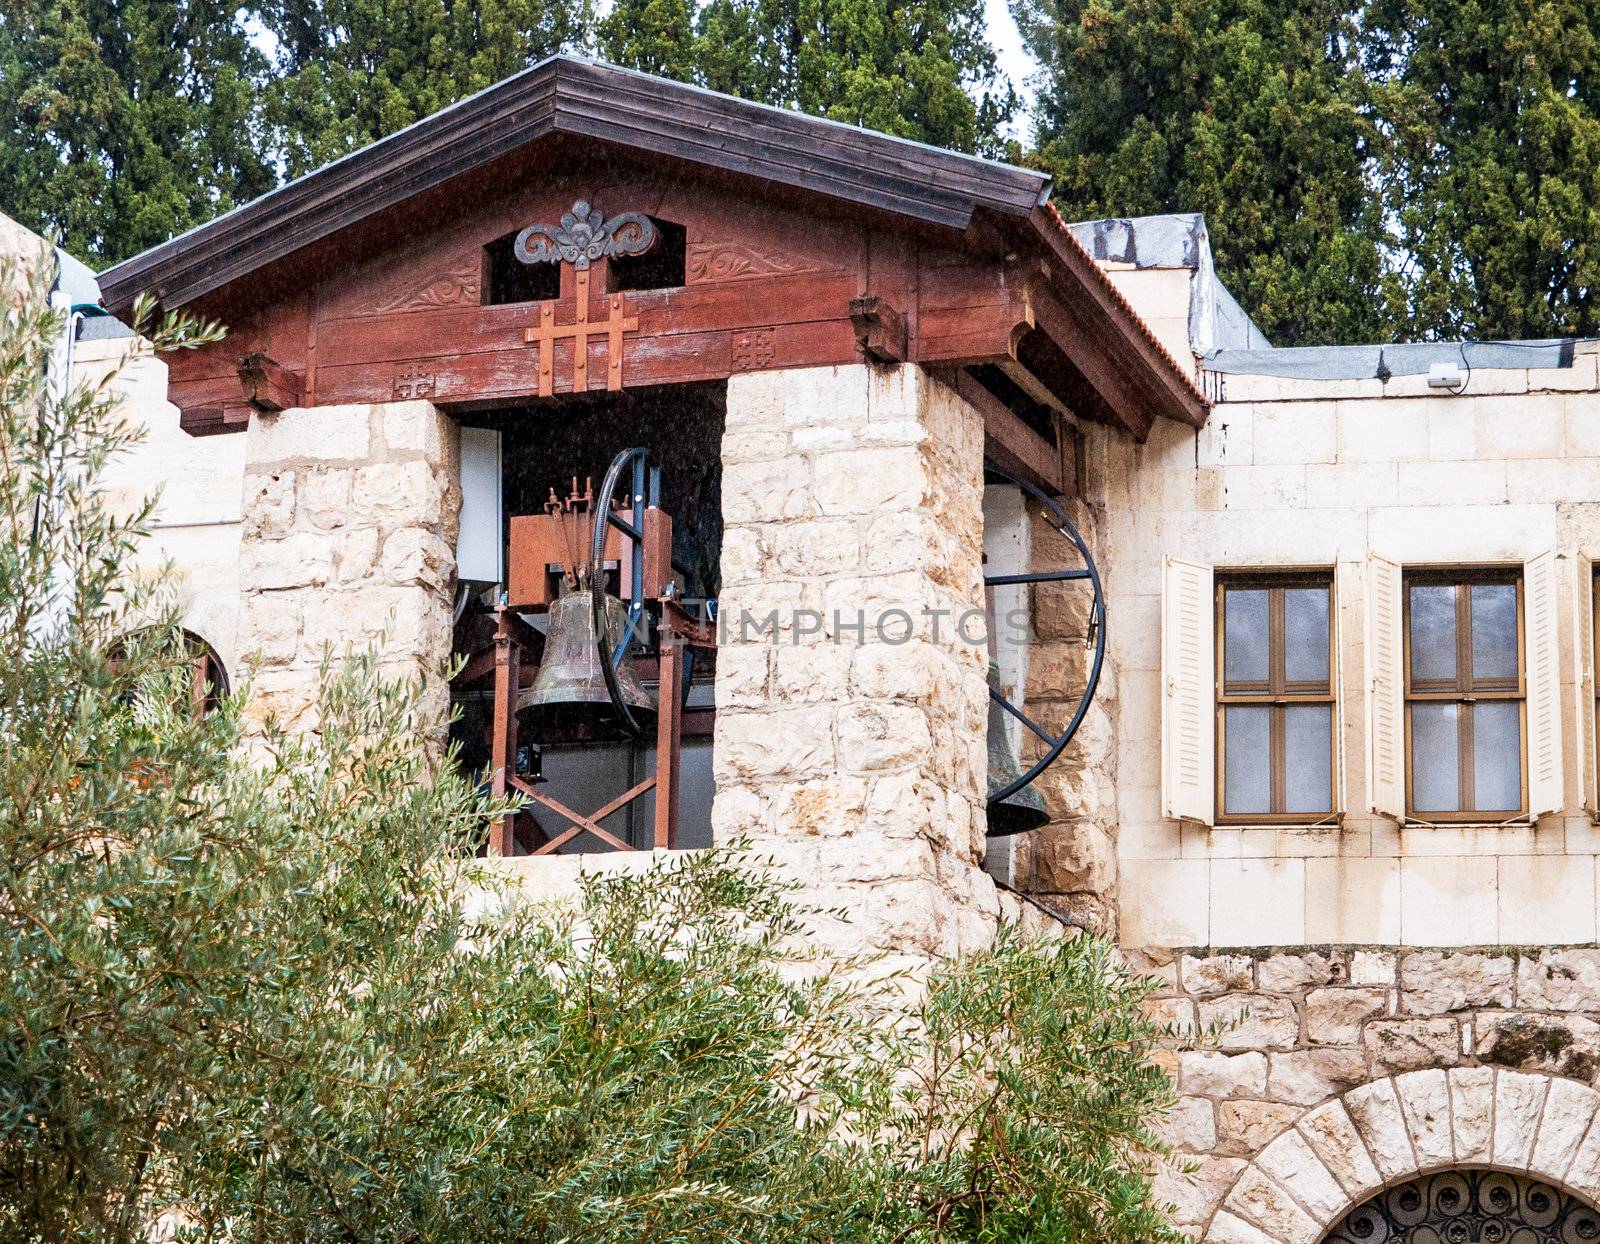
(349, 528)
(850, 707)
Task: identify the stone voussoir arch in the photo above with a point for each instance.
(1337, 1155)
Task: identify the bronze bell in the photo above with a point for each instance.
(569, 697)
(1023, 809)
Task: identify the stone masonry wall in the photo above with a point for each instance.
(348, 539)
(854, 761)
(1328, 1023)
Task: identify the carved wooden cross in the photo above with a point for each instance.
(548, 332)
(582, 235)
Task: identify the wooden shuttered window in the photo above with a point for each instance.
(1587, 601)
(1546, 781)
(1188, 680)
(1384, 654)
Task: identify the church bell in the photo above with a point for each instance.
(570, 696)
(1023, 809)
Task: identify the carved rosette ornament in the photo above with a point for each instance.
(583, 235)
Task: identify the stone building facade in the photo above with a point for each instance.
(1280, 829)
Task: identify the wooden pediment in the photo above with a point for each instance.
(566, 262)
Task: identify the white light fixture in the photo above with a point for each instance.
(1445, 376)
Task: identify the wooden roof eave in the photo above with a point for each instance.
(1093, 326)
(597, 102)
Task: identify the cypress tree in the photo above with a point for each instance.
(1494, 180)
(1251, 112)
(123, 122)
(921, 69)
(349, 72)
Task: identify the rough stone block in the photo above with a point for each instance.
(1563, 1043)
(1335, 1016)
(1375, 1110)
(1560, 980)
(1433, 982)
(1291, 973)
(1244, 1127)
(301, 559)
(763, 492)
(319, 434)
(323, 497)
(415, 428)
(415, 556)
(1332, 1134)
(1082, 856)
(1373, 967)
(268, 504)
(809, 675)
(1215, 974)
(869, 481)
(1252, 1021)
(1191, 1125)
(1425, 1102)
(1258, 1199)
(795, 742)
(1194, 1196)
(880, 736)
(1209, 1074)
(1226, 1228)
(1291, 1161)
(1411, 1044)
(1518, 1105)
(1569, 1110)
(398, 494)
(1308, 1077)
(1472, 1112)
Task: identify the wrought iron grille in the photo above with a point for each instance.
(1469, 1207)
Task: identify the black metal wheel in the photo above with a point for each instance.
(1090, 574)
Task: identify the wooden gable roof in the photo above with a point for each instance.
(895, 250)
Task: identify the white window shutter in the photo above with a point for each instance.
(1546, 791)
(1583, 609)
(1386, 733)
(1188, 680)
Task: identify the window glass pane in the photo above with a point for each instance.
(1433, 631)
(1247, 760)
(1494, 631)
(1497, 755)
(1305, 624)
(1435, 758)
(1308, 756)
(1244, 635)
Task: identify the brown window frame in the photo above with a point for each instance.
(1277, 693)
(1465, 690)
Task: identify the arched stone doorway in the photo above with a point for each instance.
(1400, 1131)
(1471, 1206)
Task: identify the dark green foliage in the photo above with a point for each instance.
(348, 72)
(1495, 178)
(1247, 110)
(1397, 169)
(123, 122)
(919, 69)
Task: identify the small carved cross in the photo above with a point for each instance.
(548, 332)
(582, 236)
